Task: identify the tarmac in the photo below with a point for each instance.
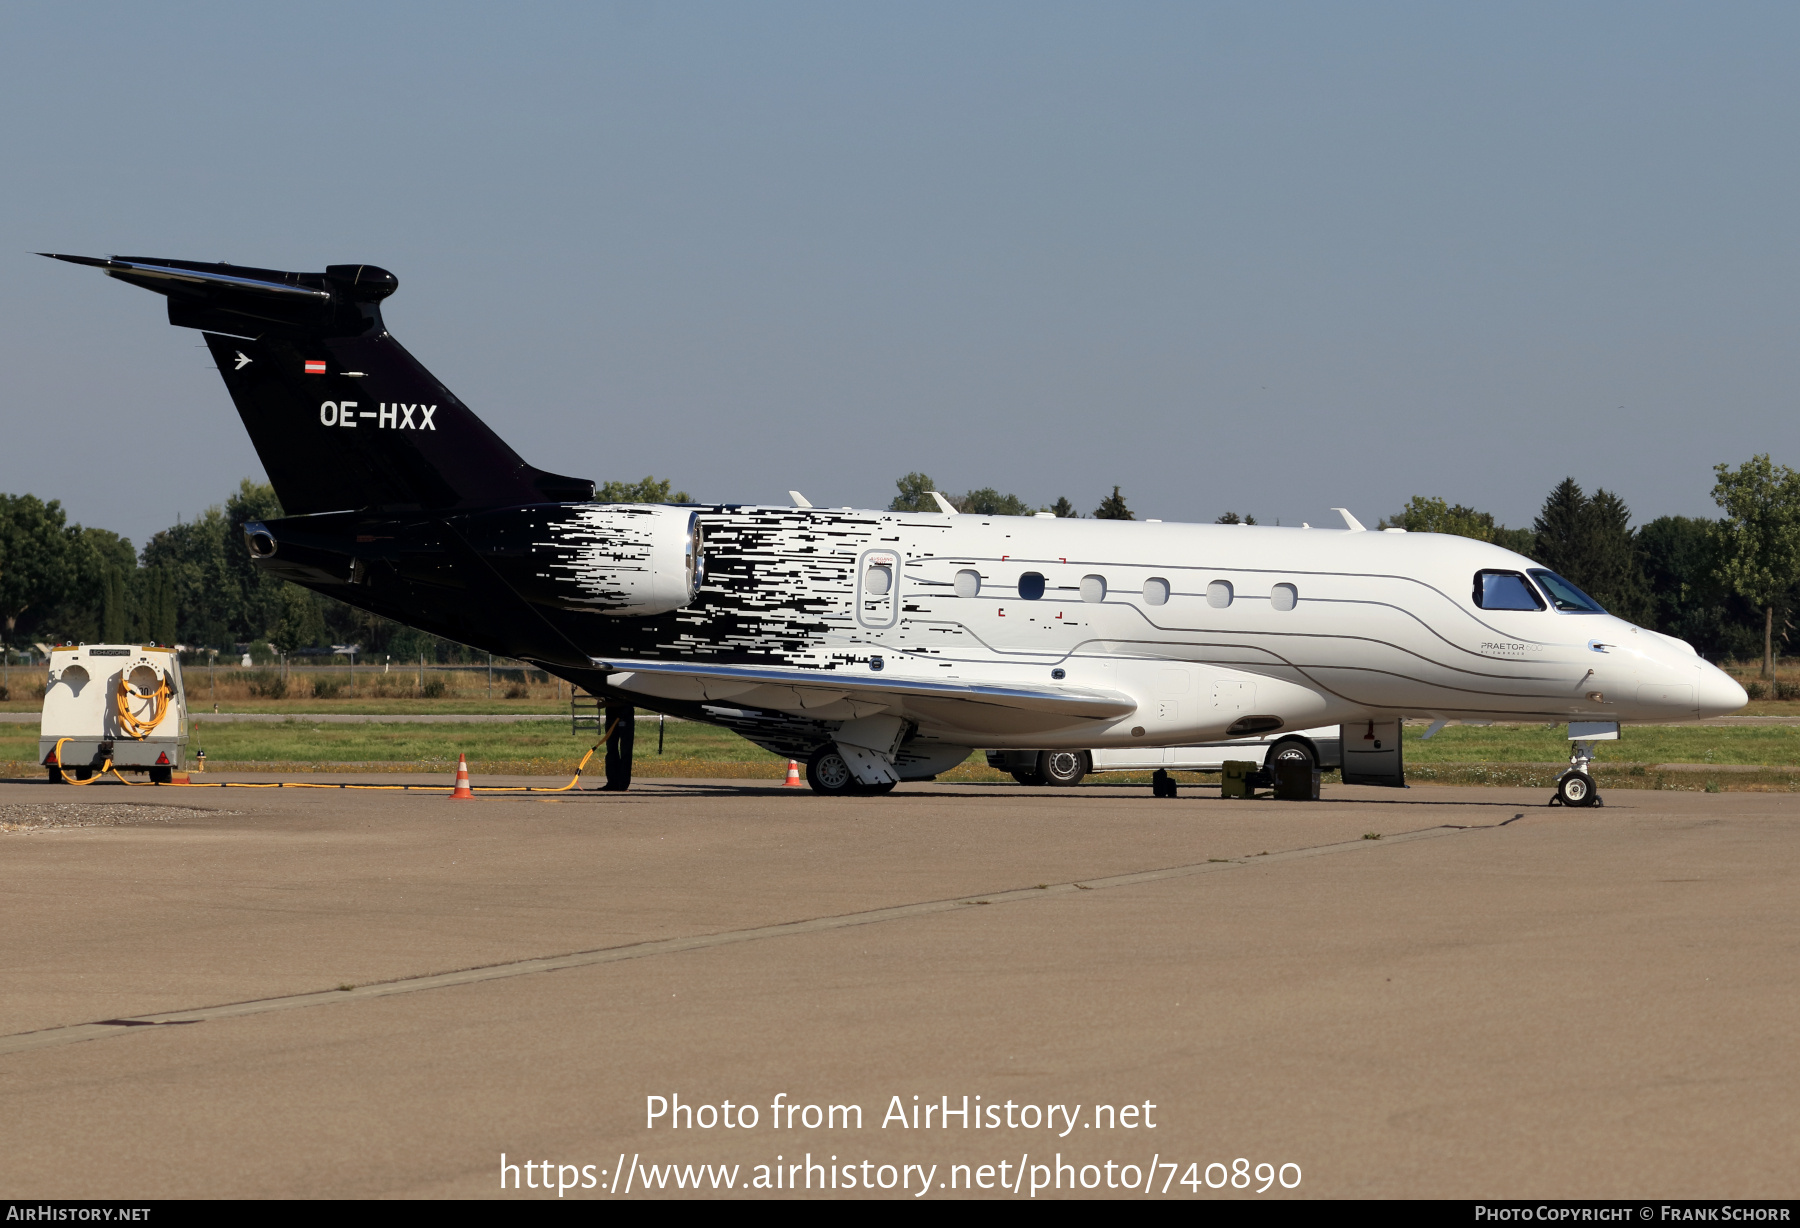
(294, 993)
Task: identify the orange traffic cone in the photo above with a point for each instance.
(462, 792)
(793, 776)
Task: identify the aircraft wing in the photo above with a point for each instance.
(973, 707)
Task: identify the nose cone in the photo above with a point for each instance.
(1718, 693)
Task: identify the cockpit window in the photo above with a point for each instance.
(1565, 596)
(1505, 590)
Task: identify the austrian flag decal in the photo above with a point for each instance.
(315, 366)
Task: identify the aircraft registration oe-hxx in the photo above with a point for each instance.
(881, 646)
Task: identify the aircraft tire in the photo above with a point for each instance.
(829, 774)
(1062, 768)
(1576, 789)
(1290, 751)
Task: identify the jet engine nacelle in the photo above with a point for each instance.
(626, 559)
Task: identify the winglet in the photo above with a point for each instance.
(1350, 522)
(944, 505)
(799, 499)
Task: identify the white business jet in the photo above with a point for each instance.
(883, 646)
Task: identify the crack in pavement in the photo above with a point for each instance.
(68, 1034)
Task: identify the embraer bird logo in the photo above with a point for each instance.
(242, 362)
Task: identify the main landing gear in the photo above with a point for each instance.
(828, 773)
(1063, 768)
(621, 733)
(1576, 787)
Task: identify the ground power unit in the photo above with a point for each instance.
(113, 703)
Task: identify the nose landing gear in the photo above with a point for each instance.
(1576, 787)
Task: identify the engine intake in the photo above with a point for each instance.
(627, 559)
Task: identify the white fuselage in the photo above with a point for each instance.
(1310, 626)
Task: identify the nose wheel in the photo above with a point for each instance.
(1575, 787)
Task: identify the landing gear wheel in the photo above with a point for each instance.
(1062, 768)
(1027, 778)
(1288, 752)
(1577, 789)
(828, 773)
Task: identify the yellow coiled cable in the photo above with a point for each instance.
(130, 725)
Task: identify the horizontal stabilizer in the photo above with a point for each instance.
(342, 417)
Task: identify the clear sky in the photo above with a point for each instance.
(1262, 257)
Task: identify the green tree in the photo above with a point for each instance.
(1560, 527)
(1680, 560)
(1113, 508)
(649, 490)
(989, 502)
(155, 618)
(1519, 541)
(302, 621)
(1591, 542)
(1430, 514)
(117, 563)
(96, 608)
(1063, 509)
(1759, 549)
(36, 559)
(915, 494)
(1615, 576)
(191, 574)
(1234, 518)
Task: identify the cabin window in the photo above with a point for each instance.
(1284, 596)
(878, 580)
(1218, 594)
(1031, 586)
(1505, 590)
(1093, 588)
(968, 582)
(1156, 591)
(1565, 596)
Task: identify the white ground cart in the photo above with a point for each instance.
(113, 703)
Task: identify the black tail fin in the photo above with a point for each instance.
(341, 415)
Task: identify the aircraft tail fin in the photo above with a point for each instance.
(341, 415)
